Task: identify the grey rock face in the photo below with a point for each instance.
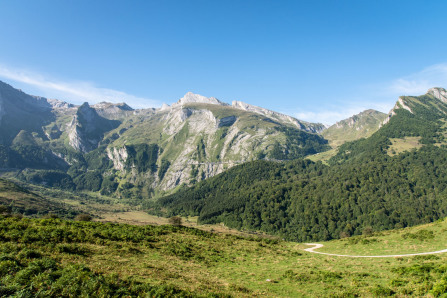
(113, 111)
(87, 128)
(196, 98)
(439, 93)
(226, 121)
(118, 156)
(59, 104)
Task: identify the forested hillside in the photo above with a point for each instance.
(367, 185)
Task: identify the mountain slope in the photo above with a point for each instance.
(422, 118)
(18, 199)
(20, 111)
(87, 128)
(358, 126)
(366, 185)
(130, 153)
(200, 140)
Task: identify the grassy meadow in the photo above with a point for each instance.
(53, 257)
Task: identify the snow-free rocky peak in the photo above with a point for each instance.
(87, 128)
(59, 104)
(197, 98)
(439, 93)
(164, 107)
(108, 105)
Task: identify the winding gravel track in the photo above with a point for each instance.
(316, 246)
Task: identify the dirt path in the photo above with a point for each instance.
(316, 246)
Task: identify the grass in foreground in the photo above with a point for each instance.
(52, 257)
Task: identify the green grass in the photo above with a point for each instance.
(137, 259)
(403, 144)
(323, 156)
(19, 199)
(426, 238)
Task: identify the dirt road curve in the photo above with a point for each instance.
(316, 246)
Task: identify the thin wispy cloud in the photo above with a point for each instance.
(418, 83)
(75, 92)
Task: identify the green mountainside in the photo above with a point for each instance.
(20, 200)
(366, 185)
(356, 127)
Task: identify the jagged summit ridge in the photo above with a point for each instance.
(197, 98)
(108, 105)
(311, 127)
(87, 128)
(356, 119)
(439, 93)
(358, 126)
(191, 98)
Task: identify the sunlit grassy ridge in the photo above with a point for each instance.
(52, 257)
(425, 238)
(358, 126)
(19, 199)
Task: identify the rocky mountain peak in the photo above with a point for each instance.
(360, 119)
(19, 98)
(108, 105)
(59, 104)
(197, 98)
(164, 107)
(87, 128)
(86, 113)
(113, 110)
(439, 93)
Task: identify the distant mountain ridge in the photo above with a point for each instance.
(358, 126)
(311, 127)
(127, 152)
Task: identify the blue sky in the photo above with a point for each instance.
(319, 61)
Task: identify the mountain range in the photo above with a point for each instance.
(123, 151)
(393, 178)
(238, 164)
